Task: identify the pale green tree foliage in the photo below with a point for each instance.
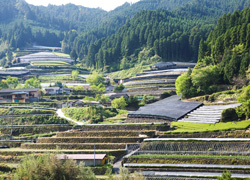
(226, 176)
(12, 82)
(48, 167)
(184, 86)
(32, 83)
(74, 74)
(95, 79)
(244, 98)
(119, 103)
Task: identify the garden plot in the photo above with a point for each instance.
(207, 114)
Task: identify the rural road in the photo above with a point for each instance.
(61, 114)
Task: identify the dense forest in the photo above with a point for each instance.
(170, 35)
(224, 57)
(168, 30)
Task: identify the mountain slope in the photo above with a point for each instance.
(172, 36)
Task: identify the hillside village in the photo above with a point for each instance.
(151, 90)
(134, 122)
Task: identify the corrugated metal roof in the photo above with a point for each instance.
(81, 156)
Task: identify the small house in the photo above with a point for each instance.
(52, 90)
(20, 95)
(87, 159)
(118, 95)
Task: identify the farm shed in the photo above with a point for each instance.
(87, 159)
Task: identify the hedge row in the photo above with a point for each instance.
(111, 146)
(105, 133)
(219, 134)
(4, 111)
(196, 146)
(185, 169)
(11, 144)
(31, 120)
(99, 170)
(33, 130)
(91, 140)
(125, 127)
(9, 159)
(169, 160)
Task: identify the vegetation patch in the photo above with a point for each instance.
(49, 63)
(188, 159)
(186, 127)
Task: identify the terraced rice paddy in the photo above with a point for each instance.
(159, 80)
(49, 63)
(188, 158)
(44, 56)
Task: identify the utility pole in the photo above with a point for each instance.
(12, 122)
(94, 154)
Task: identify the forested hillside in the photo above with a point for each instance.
(171, 35)
(113, 21)
(168, 30)
(223, 58)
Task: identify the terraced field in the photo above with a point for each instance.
(113, 140)
(190, 158)
(49, 63)
(44, 56)
(160, 80)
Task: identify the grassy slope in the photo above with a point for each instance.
(49, 63)
(186, 127)
(128, 73)
(61, 54)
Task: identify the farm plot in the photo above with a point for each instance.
(202, 156)
(153, 81)
(49, 63)
(44, 56)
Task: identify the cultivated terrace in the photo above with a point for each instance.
(150, 90)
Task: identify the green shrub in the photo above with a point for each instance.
(119, 88)
(228, 115)
(166, 94)
(49, 167)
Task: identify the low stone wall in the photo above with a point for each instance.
(91, 140)
(131, 127)
(105, 133)
(74, 146)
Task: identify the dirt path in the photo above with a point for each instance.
(118, 164)
(61, 114)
